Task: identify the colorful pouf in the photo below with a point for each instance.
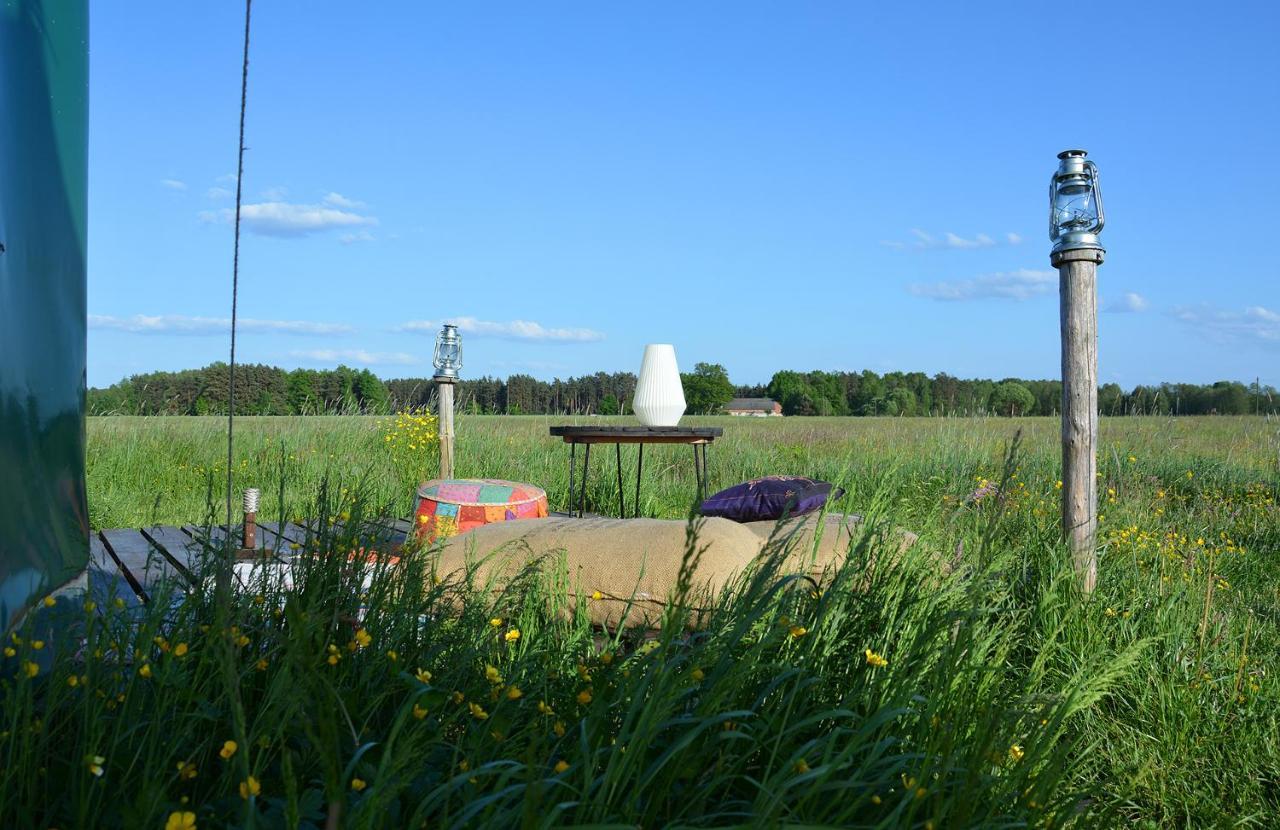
(451, 506)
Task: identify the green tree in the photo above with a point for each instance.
(1011, 399)
(707, 389)
(609, 405)
(371, 392)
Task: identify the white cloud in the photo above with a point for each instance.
(923, 240)
(338, 200)
(513, 330)
(287, 219)
(1131, 302)
(173, 184)
(1255, 324)
(1022, 284)
(359, 356)
(182, 324)
(218, 193)
(275, 194)
(358, 236)
(228, 178)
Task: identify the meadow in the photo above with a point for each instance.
(985, 693)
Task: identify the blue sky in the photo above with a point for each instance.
(767, 186)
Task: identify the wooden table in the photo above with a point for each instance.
(698, 437)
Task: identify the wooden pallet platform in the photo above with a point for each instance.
(134, 564)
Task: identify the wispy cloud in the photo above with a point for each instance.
(513, 330)
(275, 194)
(1256, 324)
(173, 184)
(1022, 284)
(289, 219)
(218, 193)
(359, 356)
(340, 201)
(358, 236)
(923, 240)
(1132, 302)
(183, 324)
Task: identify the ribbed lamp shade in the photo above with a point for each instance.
(659, 400)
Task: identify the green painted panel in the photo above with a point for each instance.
(44, 84)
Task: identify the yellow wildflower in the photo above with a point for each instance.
(250, 787)
(477, 711)
(561, 766)
(94, 763)
(1016, 753)
(180, 650)
(875, 660)
(261, 665)
(798, 631)
(419, 712)
(186, 770)
(363, 639)
(358, 784)
(73, 681)
(558, 729)
(514, 693)
(49, 602)
(145, 671)
(492, 674)
(697, 675)
(9, 651)
(496, 622)
(544, 709)
(875, 799)
(606, 657)
(597, 596)
(584, 697)
(512, 635)
(37, 644)
(181, 821)
(802, 767)
(90, 606)
(392, 656)
(228, 749)
(423, 676)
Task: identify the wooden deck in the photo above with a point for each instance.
(133, 564)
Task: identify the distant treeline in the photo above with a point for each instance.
(268, 390)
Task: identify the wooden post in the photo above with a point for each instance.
(1077, 276)
(444, 400)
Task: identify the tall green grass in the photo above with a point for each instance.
(1006, 698)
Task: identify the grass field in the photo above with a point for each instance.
(885, 697)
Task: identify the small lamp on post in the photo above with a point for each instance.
(1075, 220)
(448, 363)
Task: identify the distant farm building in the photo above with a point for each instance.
(753, 407)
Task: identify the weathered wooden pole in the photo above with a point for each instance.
(444, 401)
(448, 362)
(1075, 218)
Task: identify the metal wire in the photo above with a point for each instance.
(235, 273)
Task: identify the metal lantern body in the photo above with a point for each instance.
(1075, 203)
(448, 357)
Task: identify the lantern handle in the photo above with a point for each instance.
(1053, 224)
(1097, 193)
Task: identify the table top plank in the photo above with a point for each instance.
(636, 434)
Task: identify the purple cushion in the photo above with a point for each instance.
(770, 498)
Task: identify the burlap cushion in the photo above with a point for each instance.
(634, 561)
(796, 540)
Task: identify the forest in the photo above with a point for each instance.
(269, 390)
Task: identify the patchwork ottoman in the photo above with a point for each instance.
(447, 507)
